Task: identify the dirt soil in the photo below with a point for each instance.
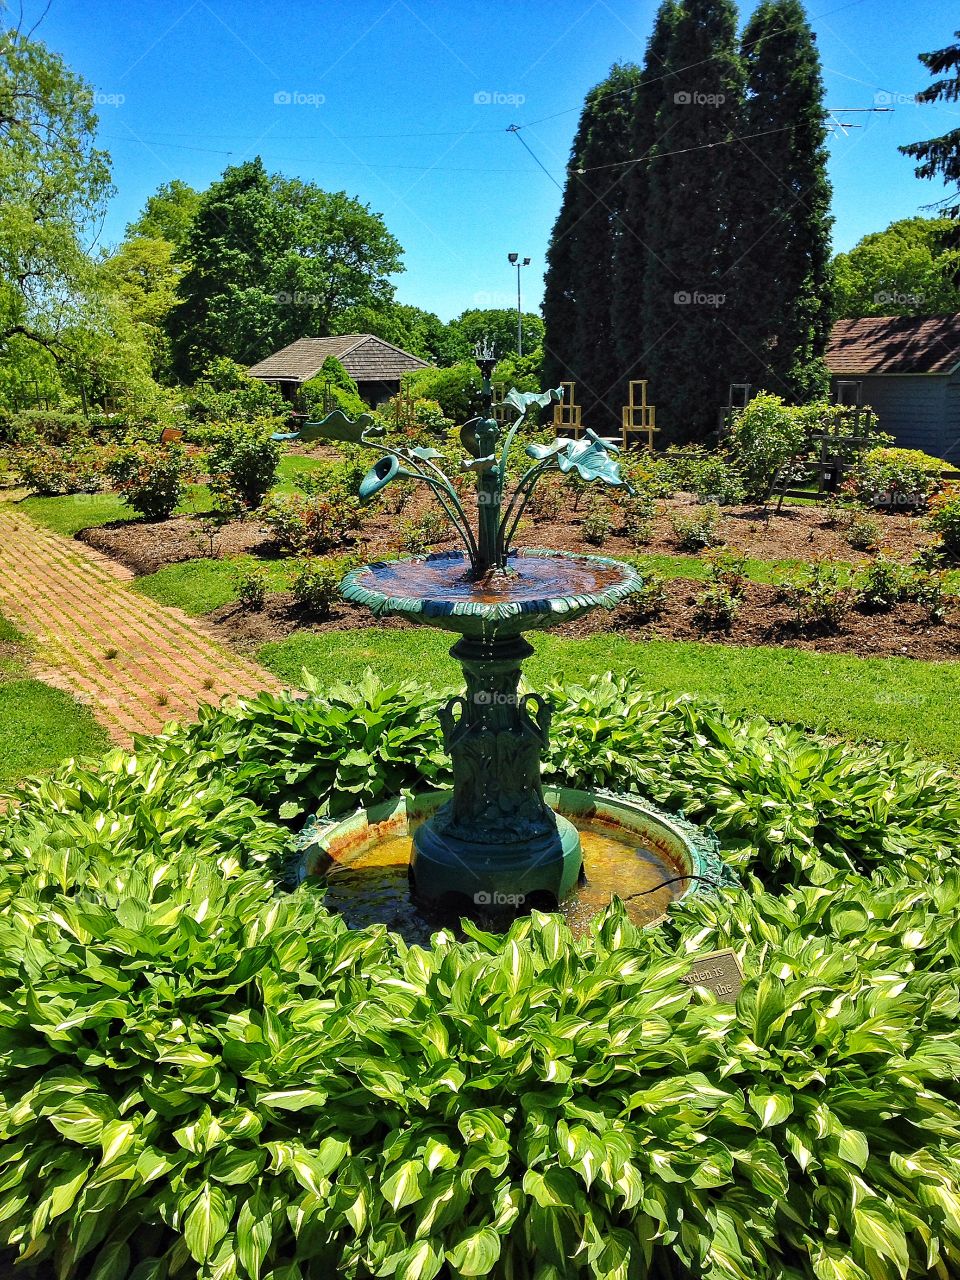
(797, 533)
(763, 619)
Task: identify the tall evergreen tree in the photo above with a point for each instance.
(631, 245)
(687, 335)
(778, 282)
(578, 299)
(940, 157)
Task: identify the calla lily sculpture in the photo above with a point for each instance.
(487, 444)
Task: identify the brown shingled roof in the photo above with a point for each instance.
(894, 344)
(366, 358)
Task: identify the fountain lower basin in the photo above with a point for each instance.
(630, 849)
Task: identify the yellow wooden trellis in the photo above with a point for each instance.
(638, 418)
(568, 415)
(501, 411)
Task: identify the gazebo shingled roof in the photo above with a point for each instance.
(365, 357)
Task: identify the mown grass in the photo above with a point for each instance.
(39, 725)
(73, 512)
(199, 586)
(896, 700)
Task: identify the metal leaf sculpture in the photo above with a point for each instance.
(488, 445)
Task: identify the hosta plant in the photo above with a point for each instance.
(202, 1075)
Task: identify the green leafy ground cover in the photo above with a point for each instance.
(198, 586)
(39, 725)
(885, 699)
(203, 1076)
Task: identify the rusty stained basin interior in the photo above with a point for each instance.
(529, 579)
(365, 878)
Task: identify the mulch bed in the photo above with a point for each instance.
(797, 533)
(145, 547)
(903, 632)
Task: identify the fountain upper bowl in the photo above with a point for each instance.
(541, 589)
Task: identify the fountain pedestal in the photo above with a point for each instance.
(496, 841)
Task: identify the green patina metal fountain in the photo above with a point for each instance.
(495, 839)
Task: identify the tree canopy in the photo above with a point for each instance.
(940, 157)
(271, 259)
(168, 214)
(906, 270)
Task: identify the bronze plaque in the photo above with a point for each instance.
(719, 972)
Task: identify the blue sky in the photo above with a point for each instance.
(406, 103)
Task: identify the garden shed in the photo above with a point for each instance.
(374, 364)
(907, 368)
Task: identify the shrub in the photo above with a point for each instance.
(227, 393)
(649, 601)
(717, 607)
(152, 478)
(898, 479)
(698, 531)
(596, 522)
(547, 500)
(863, 532)
(930, 590)
(728, 569)
(243, 466)
(456, 389)
(766, 435)
(201, 1076)
(944, 520)
(45, 427)
(884, 584)
(716, 481)
(820, 596)
(250, 584)
(421, 534)
(314, 523)
(316, 585)
(54, 470)
(332, 388)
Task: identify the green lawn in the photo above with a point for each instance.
(890, 699)
(73, 512)
(197, 586)
(39, 725)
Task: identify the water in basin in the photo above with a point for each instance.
(370, 885)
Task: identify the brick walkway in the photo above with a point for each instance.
(135, 663)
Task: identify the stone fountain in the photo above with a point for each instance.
(497, 838)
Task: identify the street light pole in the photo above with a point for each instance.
(514, 259)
